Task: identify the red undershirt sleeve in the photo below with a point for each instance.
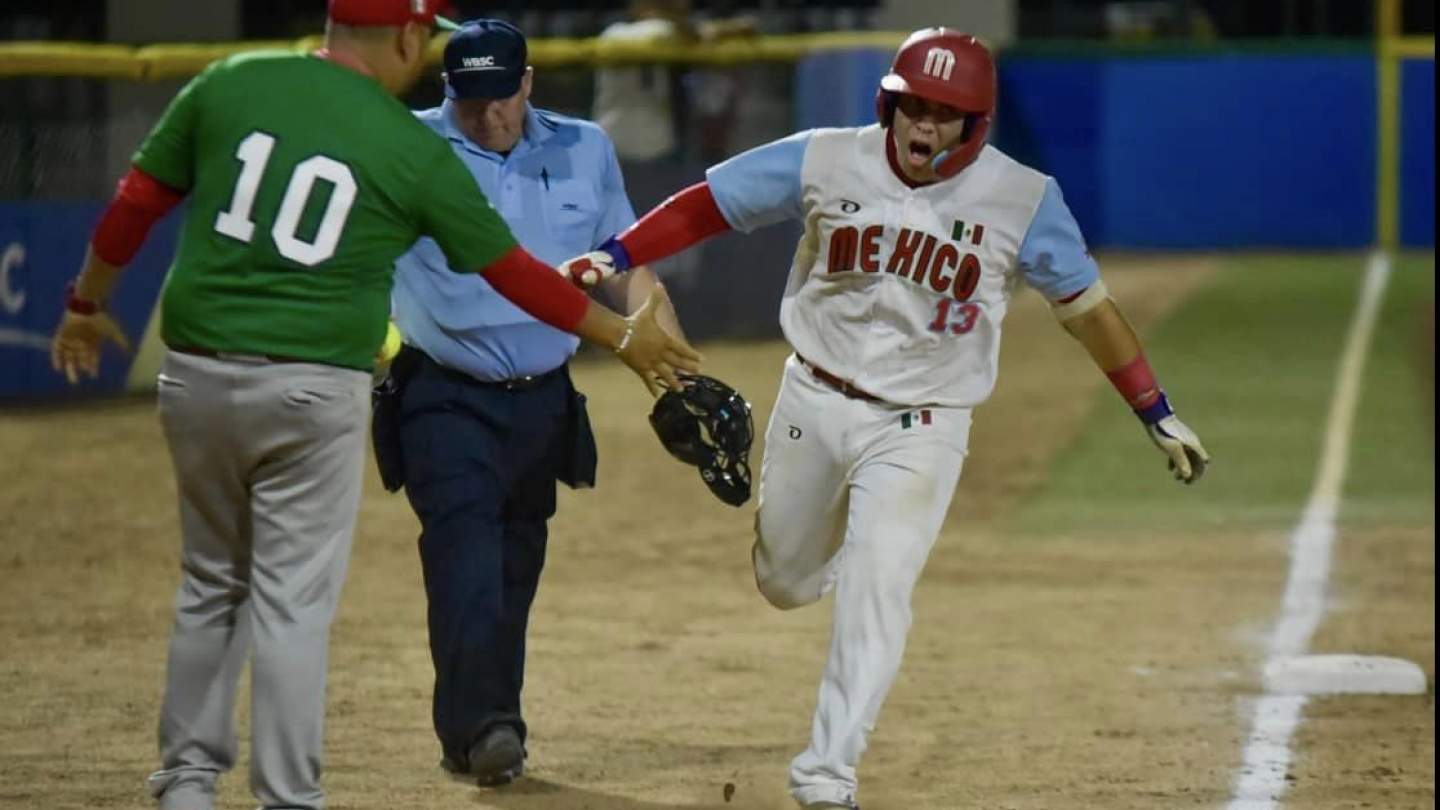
(536, 288)
(139, 202)
(687, 218)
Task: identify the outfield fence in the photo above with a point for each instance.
(1314, 144)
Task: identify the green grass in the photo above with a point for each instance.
(1391, 477)
(1250, 363)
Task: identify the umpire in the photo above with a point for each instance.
(483, 410)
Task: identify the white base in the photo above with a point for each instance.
(1344, 675)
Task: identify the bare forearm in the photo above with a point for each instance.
(669, 321)
(1113, 345)
(1102, 329)
(629, 290)
(1106, 335)
(139, 202)
(602, 327)
(97, 278)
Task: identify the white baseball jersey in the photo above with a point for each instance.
(897, 288)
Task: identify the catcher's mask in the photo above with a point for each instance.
(707, 423)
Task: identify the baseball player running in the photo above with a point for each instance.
(916, 233)
(272, 314)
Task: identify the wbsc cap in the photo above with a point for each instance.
(389, 12)
(485, 59)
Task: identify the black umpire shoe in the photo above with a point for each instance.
(498, 758)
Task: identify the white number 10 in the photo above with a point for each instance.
(254, 154)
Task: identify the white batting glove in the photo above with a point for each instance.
(1186, 454)
(589, 269)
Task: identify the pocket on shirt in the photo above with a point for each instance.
(573, 218)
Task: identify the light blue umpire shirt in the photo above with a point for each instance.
(560, 190)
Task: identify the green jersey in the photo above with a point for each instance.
(306, 181)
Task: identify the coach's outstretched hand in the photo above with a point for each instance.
(77, 342)
(653, 353)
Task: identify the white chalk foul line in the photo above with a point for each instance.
(1261, 780)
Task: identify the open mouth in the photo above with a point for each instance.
(920, 153)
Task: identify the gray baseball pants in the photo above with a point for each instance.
(268, 461)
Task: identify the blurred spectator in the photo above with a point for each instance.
(642, 107)
(1292, 19)
(1158, 19)
(1207, 19)
(714, 92)
(635, 104)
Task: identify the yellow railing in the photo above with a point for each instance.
(158, 62)
(178, 61)
(1392, 49)
(145, 63)
(1409, 47)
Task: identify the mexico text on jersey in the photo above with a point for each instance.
(903, 289)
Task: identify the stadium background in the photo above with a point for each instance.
(1087, 635)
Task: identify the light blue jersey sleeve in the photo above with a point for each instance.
(1053, 257)
(761, 186)
(616, 212)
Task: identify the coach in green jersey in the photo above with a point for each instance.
(306, 180)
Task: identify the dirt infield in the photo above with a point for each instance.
(1086, 670)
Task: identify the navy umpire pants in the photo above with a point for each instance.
(481, 462)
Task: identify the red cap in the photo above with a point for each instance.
(386, 12)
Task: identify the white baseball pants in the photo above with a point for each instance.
(852, 497)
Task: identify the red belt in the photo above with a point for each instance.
(838, 384)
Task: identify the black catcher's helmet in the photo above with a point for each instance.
(706, 423)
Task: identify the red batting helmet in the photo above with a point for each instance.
(947, 67)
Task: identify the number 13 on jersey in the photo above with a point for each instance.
(236, 223)
(956, 317)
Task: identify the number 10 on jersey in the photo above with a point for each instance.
(236, 223)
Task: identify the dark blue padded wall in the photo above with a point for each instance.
(1208, 149)
(1417, 153)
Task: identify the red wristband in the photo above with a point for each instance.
(78, 305)
(1136, 382)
